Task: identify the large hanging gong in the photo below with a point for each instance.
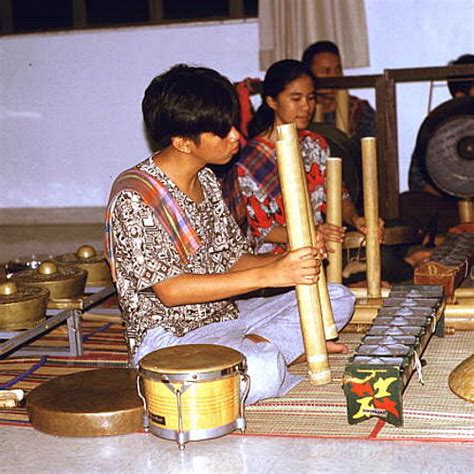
(343, 147)
(449, 155)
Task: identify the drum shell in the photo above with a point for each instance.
(205, 405)
(192, 391)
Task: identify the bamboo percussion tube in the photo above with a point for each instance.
(464, 292)
(465, 301)
(364, 314)
(342, 110)
(299, 235)
(371, 212)
(334, 215)
(361, 293)
(459, 311)
(329, 325)
(318, 113)
(466, 210)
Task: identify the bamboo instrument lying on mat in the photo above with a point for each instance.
(301, 233)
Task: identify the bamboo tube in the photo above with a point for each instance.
(452, 313)
(466, 210)
(459, 311)
(464, 292)
(464, 301)
(342, 110)
(334, 215)
(371, 212)
(329, 325)
(364, 314)
(318, 113)
(361, 293)
(299, 235)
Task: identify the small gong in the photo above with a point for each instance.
(66, 282)
(461, 380)
(86, 257)
(21, 308)
(101, 402)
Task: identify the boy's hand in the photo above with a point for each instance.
(331, 233)
(300, 267)
(360, 225)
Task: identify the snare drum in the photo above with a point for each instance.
(192, 392)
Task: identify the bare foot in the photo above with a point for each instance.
(336, 347)
(332, 348)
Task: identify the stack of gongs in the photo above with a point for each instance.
(86, 257)
(21, 308)
(66, 282)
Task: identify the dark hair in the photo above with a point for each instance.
(456, 85)
(319, 47)
(277, 77)
(187, 101)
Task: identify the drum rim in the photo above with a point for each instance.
(164, 360)
(191, 375)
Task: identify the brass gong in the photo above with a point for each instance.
(86, 257)
(461, 380)
(21, 308)
(62, 282)
(100, 402)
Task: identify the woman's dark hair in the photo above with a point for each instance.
(277, 77)
(456, 83)
(317, 48)
(187, 101)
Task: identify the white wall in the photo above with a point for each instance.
(70, 116)
(70, 103)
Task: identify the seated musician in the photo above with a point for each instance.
(324, 60)
(287, 97)
(179, 259)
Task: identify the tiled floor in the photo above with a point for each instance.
(24, 450)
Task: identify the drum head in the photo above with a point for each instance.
(188, 358)
(100, 402)
(450, 147)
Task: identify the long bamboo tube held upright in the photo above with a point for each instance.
(330, 328)
(371, 212)
(299, 236)
(329, 324)
(342, 110)
(334, 215)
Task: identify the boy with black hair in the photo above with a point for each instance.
(177, 256)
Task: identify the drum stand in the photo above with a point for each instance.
(181, 436)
